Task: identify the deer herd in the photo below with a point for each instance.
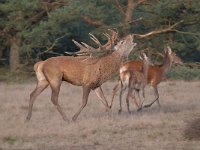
(90, 71)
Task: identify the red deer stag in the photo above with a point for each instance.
(156, 73)
(135, 81)
(85, 71)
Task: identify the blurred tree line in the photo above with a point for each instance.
(33, 30)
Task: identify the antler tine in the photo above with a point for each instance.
(88, 46)
(114, 34)
(111, 38)
(82, 48)
(107, 35)
(112, 31)
(92, 37)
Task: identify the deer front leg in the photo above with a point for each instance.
(86, 92)
(115, 89)
(99, 93)
(54, 98)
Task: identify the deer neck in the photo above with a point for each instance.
(109, 66)
(167, 64)
(145, 68)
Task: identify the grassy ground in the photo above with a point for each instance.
(151, 129)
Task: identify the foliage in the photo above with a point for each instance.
(162, 13)
(41, 22)
(184, 73)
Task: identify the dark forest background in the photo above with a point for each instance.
(33, 30)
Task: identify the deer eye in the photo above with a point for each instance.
(121, 42)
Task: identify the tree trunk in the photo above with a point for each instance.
(1, 55)
(129, 11)
(131, 5)
(128, 16)
(15, 43)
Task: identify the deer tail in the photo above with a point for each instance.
(38, 68)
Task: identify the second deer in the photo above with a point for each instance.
(156, 73)
(135, 81)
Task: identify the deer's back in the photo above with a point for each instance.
(78, 70)
(67, 68)
(154, 72)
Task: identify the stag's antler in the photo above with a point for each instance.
(93, 38)
(111, 39)
(86, 49)
(82, 48)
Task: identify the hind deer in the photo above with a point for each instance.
(86, 71)
(135, 81)
(156, 73)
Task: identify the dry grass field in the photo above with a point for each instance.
(96, 129)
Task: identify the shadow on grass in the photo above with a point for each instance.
(192, 130)
(173, 109)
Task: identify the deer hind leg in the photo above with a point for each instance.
(41, 85)
(156, 99)
(157, 95)
(137, 91)
(86, 92)
(130, 95)
(55, 88)
(141, 100)
(120, 98)
(99, 93)
(133, 99)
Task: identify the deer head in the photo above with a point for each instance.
(125, 46)
(172, 56)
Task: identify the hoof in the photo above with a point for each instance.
(27, 119)
(120, 111)
(108, 108)
(65, 119)
(145, 106)
(74, 119)
(139, 109)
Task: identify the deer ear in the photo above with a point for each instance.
(165, 50)
(144, 56)
(169, 49)
(140, 56)
(132, 36)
